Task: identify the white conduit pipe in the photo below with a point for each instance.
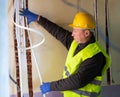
(36, 63)
(34, 46)
(18, 41)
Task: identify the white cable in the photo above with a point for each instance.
(32, 30)
(29, 29)
(39, 74)
(34, 46)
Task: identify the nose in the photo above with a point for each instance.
(73, 33)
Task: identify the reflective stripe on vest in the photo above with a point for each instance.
(93, 88)
(86, 93)
(95, 82)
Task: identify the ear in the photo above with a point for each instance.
(87, 33)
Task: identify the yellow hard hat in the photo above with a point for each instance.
(83, 20)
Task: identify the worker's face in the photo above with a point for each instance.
(79, 35)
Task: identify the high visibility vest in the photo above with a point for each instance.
(73, 63)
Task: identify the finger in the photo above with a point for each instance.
(23, 12)
(28, 22)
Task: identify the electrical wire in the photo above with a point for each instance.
(12, 79)
(96, 17)
(74, 6)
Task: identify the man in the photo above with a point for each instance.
(86, 61)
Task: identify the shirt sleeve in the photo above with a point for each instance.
(58, 32)
(88, 70)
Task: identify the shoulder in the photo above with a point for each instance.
(97, 60)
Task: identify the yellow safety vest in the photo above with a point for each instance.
(73, 63)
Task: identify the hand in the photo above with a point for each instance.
(30, 15)
(45, 87)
